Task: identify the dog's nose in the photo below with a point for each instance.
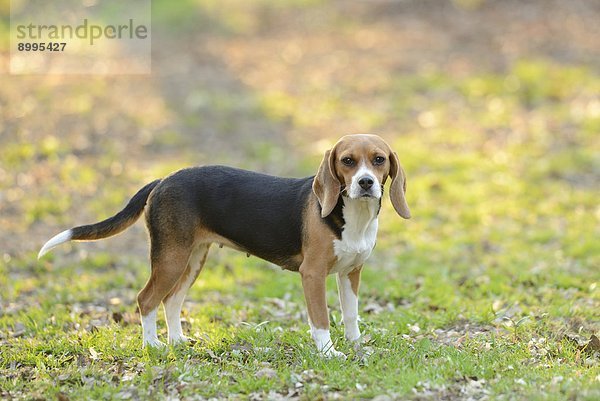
(365, 182)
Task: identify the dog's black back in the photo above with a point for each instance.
(262, 214)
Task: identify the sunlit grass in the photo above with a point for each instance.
(491, 289)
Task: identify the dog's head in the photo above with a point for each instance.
(358, 166)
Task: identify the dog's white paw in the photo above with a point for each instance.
(333, 353)
(178, 339)
(154, 343)
(324, 344)
(181, 340)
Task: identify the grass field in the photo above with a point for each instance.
(491, 291)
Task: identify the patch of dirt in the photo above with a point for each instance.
(464, 389)
(462, 330)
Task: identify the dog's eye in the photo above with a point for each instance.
(348, 161)
(379, 160)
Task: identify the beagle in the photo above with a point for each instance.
(316, 226)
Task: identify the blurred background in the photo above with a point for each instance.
(493, 107)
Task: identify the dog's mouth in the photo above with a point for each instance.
(367, 194)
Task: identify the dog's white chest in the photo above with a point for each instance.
(358, 236)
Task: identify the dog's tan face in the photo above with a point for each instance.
(359, 165)
(359, 160)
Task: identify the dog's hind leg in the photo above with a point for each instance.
(174, 300)
(169, 263)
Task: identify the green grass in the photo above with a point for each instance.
(62, 334)
(491, 290)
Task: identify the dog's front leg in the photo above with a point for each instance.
(313, 282)
(348, 293)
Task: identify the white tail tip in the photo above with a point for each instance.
(58, 239)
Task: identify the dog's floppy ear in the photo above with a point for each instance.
(326, 184)
(398, 187)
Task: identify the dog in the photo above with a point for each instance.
(318, 225)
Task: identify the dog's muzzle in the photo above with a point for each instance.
(365, 186)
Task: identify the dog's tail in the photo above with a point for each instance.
(106, 228)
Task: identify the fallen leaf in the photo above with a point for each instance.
(63, 377)
(117, 317)
(266, 372)
(593, 345)
(18, 330)
(62, 397)
(93, 353)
